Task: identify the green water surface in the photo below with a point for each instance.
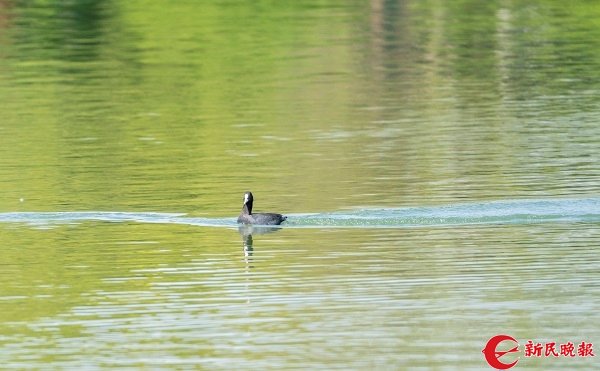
(316, 106)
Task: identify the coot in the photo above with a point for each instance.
(247, 217)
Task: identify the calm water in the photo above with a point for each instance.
(439, 163)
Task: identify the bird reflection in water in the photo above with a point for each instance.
(246, 231)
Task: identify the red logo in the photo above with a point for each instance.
(492, 356)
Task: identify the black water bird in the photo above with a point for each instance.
(246, 217)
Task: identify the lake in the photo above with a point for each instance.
(439, 164)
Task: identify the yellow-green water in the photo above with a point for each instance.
(438, 162)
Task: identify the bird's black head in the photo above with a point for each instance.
(248, 199)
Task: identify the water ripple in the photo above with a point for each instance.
(586, 210)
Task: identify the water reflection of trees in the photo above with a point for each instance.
(59, 30)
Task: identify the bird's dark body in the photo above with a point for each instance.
(247, 217)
